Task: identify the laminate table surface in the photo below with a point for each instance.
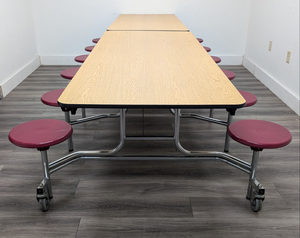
(150, 69)
(147, 22)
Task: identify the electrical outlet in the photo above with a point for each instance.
(288, 56)
(270, 45)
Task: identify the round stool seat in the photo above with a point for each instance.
(81, 58)
(50, 98)
(40, 134)
(250, 98)
(89, 48)
(207, 48)
(200, 40)
(69, 73)
(96, 40)
(259, 134)
(229, 74)
(216, 59)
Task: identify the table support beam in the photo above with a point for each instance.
(189, 155)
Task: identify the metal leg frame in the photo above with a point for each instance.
(187, 155)
(85, 119)
(68, 159)
(256, 192)
(92, 118)
(83, 113)
(211, 112)
(44, 190)
(70, 140)
(229, 159)
(213, 120)
(227, 137)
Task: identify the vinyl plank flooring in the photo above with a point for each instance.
(36, 227)
(146, 198)
(232, 207)
(188, 227)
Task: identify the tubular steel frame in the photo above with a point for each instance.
(188, 155)
(213, 120)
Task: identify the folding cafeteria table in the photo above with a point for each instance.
(149, 69)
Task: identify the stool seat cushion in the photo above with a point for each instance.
(81, 58)
(207, 48)
(200, 40)
(96, 40)
(259, 134)
(229, 74)
(250, 98)
(216, 59)
(69, 73)
(41, 133)
(50, 98)
(89, 48)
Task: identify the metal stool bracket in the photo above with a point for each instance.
(42, 190)
(258, 191)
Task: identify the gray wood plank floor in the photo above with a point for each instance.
(95, 198)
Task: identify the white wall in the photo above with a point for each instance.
(238, 31)
(276, 21)
(65, 28)
(18, 51)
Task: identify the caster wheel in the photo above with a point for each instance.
(44, 204)
(256, 205)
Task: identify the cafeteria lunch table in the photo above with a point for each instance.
(150, 69)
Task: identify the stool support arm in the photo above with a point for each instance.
(60, 163)
(46, 172)
(253, 171)
(240, 164)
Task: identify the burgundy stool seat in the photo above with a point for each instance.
(96, 40)
(89, 48)
(250, 98)
(50, 98)
(69, 73)
(229, 74)
(81, 58)
(40, 134)
(200, 40)
(207, 48)
(216, 59)
(259, 134)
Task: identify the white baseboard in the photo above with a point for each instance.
(279, 90)
(19, 76)
(248, 65)
(1, 92)
(230, 60)
(58, 60)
